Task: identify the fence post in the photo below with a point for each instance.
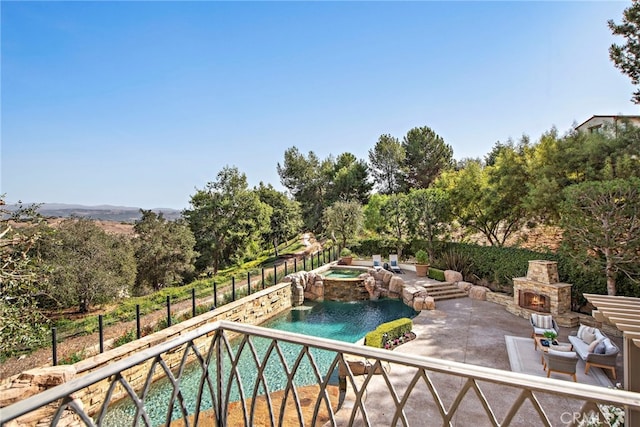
(275, 274)
(318, 258)
(285, 268)
(295, 265)
(168, 311)
(138, 329)
(215, 294)
(262, 277)
(304, 262)
(101, 333)
(233, 288)
(193, 302)
(248, 283)
(54, 346)
(324, 253)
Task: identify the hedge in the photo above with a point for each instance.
(393, 329)
(436, 274)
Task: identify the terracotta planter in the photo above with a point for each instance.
(422, 270)
(346, 260)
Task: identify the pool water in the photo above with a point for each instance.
(342, 273)
(343, 321)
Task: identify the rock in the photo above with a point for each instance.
(465, 286)
(49, 376)
(478, 293)
(452, 276)
(396, 285)
(429, 304)
(297, 295)
(409, 293)
(418, 302)
(318, 288)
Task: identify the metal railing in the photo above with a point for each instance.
(233, 386)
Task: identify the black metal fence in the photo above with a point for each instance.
(230, 292)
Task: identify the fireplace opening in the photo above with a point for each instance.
(535, 301)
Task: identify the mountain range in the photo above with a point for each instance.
(102, 212)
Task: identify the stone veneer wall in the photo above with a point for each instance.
(252, 309)
(542, 278)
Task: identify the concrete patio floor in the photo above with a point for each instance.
(461, 330)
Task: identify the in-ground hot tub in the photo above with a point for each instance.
(343, 283)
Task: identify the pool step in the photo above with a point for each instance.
(445, 291)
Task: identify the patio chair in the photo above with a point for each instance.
(542, 323)
(563, 362)
(377, 262)
(393, 263)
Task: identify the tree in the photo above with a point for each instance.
(348, 180)
(88, 265)
(626, 57)
(427, 155)
(22, 324)
(428, 215)
(387, 159)
(226, 218)
(304, 178)
(344, 221)
(489, 199)
(602, 226)
(285, 217)
(164, 251)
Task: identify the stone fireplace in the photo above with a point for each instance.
(541, 292)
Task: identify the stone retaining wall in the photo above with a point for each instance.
(253, 309)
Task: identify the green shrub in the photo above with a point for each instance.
(436, 274)
(345, 252)
(393, 329)
(127, 337)
(422, 257)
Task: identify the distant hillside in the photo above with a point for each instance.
(102, 212)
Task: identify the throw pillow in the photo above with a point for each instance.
(582, 329)
(545, 322)
(588, 337)
(593, 345)
(600, 348)
(609, 348)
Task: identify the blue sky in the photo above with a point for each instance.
(140, 103)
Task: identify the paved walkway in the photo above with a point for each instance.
(461, 330)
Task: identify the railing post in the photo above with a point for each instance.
(138, 329)
(304, 262)
(233, 288)
(275, 274)
(285, 268)
(168, 311)
(263, 285)
(295, 265)
(248, 283)
(215, 294)
(54, 346)
(324, 253)
(193, 302)
(318, 258)
(101, 332)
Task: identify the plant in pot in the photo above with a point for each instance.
(550, 336)
(346, 256)
(422, 263)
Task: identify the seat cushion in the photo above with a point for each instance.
(567, 354)
(542, 321)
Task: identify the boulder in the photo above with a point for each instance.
(297, 295)
(478, 293)
(318, 288)
(424, 303)
(465, 286)
(452, 276)
(396, 284)
(49, 376)
(410, 292)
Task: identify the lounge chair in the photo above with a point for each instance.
(563, 362)
(393, 263)
(542, 323)
(377, 262)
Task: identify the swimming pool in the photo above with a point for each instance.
(342, 273)
(343, 321)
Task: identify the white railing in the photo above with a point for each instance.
(234, 385)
